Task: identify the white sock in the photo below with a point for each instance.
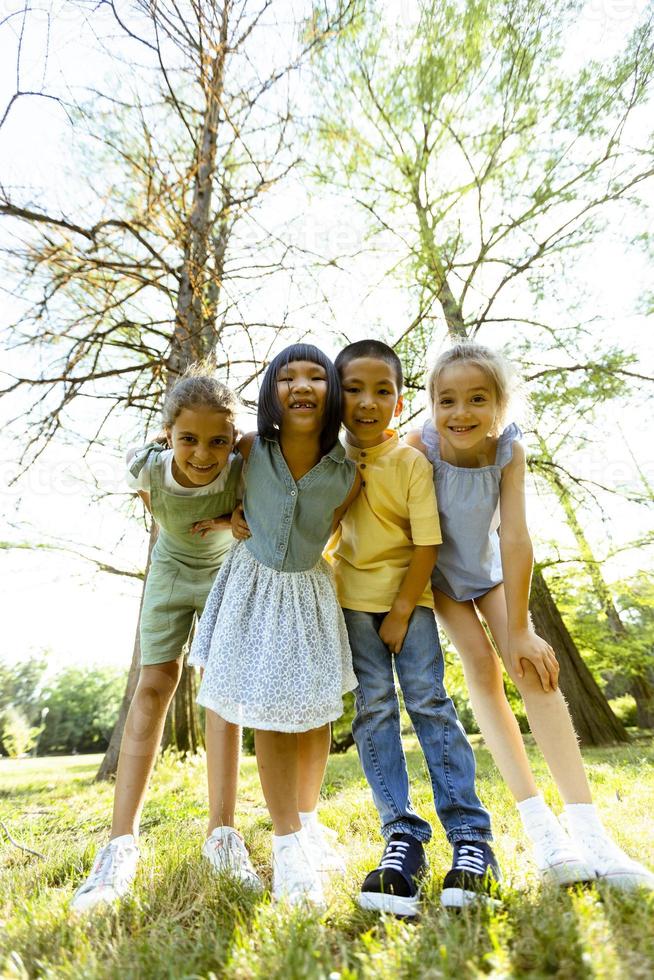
(309, 819)
(582, 819)
(125, 840)
(537, 818)
(279, 840)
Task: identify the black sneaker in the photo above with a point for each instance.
(473, 877)
(395, 885)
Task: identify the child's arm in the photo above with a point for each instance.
(354, 492)
(396, 622)
(517, 562)
(237, 522)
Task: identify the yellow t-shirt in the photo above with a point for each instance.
(394, 511)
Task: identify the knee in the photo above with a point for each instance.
(484, 671)
(160, 679)
(377, 709)
(530, 683)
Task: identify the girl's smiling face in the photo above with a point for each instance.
(465, 406)
(201, 439)
(302, 393)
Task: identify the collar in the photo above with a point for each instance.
(374, 452)
(337, 452)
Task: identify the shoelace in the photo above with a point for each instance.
(394, 855)
(559, 847)
(471, 859)
(107, 871)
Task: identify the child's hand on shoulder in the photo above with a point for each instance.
(527, 645)
(393, 630)
(212, 524)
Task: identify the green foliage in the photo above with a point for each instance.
(73, 711)
(182, 922)
(82, 707)
(610, 657)
(625, 709)
(16, 734)
(20, 687)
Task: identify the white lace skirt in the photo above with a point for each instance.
(273, 646)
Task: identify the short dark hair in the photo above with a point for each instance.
(269, 411)
(371, 348)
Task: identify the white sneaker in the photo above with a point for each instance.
(611, 864)
(560, 861)
(294, 877)
(325, 856)
(112, 874)
(226, 852)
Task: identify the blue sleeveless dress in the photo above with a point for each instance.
(469, 562)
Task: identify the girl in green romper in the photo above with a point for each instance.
(191, 488)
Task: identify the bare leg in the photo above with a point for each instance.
(223, 743)
(140, 744)
(549, 718)
(483, 673)
(313, 752)
(277, 759)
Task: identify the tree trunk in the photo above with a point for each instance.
(641, 688)
(185, 731)
(591, 713)
(642, 691)
(109, 764)
(191, 340)
(195, 332)
(193, 337)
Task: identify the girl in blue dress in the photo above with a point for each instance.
(480, 575)
(272, 639)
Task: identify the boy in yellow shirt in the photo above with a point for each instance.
(383, 555)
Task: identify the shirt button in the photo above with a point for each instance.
(363, 483)
(363, 454)
(363, 466)
(292, 493)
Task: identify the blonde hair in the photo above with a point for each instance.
(197, 388)
(499, 371)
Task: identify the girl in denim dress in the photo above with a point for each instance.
(272, 639)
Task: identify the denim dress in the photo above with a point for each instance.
(469, 562)
(272, 639)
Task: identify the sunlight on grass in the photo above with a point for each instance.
(181, 921)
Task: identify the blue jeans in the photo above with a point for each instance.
(376, 729)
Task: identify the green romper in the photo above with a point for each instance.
(183, 565)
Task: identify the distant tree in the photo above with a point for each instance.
(21, 687)
(82, 707)
(17, 736)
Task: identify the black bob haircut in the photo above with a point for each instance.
(371, 348)
(269, 412)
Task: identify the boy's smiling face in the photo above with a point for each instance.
(371, 398)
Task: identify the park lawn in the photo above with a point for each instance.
(182, 922)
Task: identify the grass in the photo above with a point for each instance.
(183, 923)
